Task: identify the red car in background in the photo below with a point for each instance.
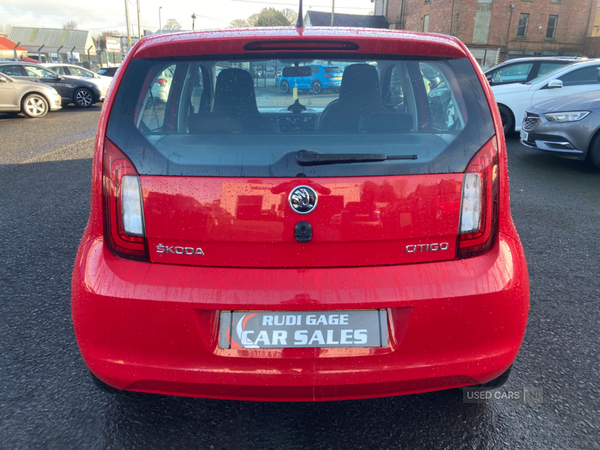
(243, 244)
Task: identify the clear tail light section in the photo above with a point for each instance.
(479, 206)
(124, 229)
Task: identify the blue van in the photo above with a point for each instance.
(315, 77)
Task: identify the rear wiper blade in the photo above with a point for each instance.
(305, 158)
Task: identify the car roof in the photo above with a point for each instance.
(62, 65)
(291, 40)
(565, 59)
(576, 64)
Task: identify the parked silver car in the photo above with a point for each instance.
(82, 93)
(566, 126)
(32, 99)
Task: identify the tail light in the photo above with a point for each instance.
(328, 76)
(161, 82)
(479, 206)
(124, 228)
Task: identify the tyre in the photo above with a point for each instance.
(34, 105)
(593, 154)
(508, 121)
(83, 98)
(285, 87)
(316, 87)
(105, 387)
(497, 382)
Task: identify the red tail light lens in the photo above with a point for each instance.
(328, 76)
(479, 208)
(161, 82)
(123, 209)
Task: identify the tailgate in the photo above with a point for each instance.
(245, 222)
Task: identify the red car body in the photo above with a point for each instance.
(454, 319)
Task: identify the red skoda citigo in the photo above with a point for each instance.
(251, 242)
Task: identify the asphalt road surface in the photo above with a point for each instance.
(48, 401)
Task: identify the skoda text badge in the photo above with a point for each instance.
(303, 199)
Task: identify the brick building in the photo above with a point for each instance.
(504, 29)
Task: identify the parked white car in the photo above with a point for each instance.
(514, 99)
(71, 70)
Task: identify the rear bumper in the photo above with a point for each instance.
(154, 327)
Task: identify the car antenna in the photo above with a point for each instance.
(300, 21)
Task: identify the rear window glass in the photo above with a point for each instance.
(224, 117)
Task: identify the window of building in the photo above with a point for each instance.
(551, 30)
(523, 22)
(426, 23)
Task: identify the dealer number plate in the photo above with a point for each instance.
(302, 329)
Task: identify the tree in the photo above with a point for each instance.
(267, 17)
(290, 15)
(238, 23)
(6, 29)
(70, 25)
(271, 17)
(172, 24)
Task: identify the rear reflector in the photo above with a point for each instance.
(301, 45)
(479, 210)
(123, 210)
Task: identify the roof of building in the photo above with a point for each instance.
(323, 19)
(7, 44)
(50, 37)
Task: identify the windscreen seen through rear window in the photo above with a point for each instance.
(278, 118)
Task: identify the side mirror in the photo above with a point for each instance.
(3, 80)
(555, 84)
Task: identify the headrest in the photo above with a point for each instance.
(360, 84)
(234, 93)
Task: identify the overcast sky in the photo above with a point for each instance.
(99, 15)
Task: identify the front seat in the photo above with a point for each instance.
(235, 109)
(359, 96)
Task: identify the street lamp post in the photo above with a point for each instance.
(159, 22)
(193, 20)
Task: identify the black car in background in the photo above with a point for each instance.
(82, 93)
(108, 71)
(522, 70)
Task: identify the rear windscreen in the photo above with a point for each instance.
(328, 116)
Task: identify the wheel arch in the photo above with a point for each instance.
(84, 86)
(38, 93)
(512, 113)
(593, 137)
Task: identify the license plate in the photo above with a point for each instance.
(302, 329)
(524, 135)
